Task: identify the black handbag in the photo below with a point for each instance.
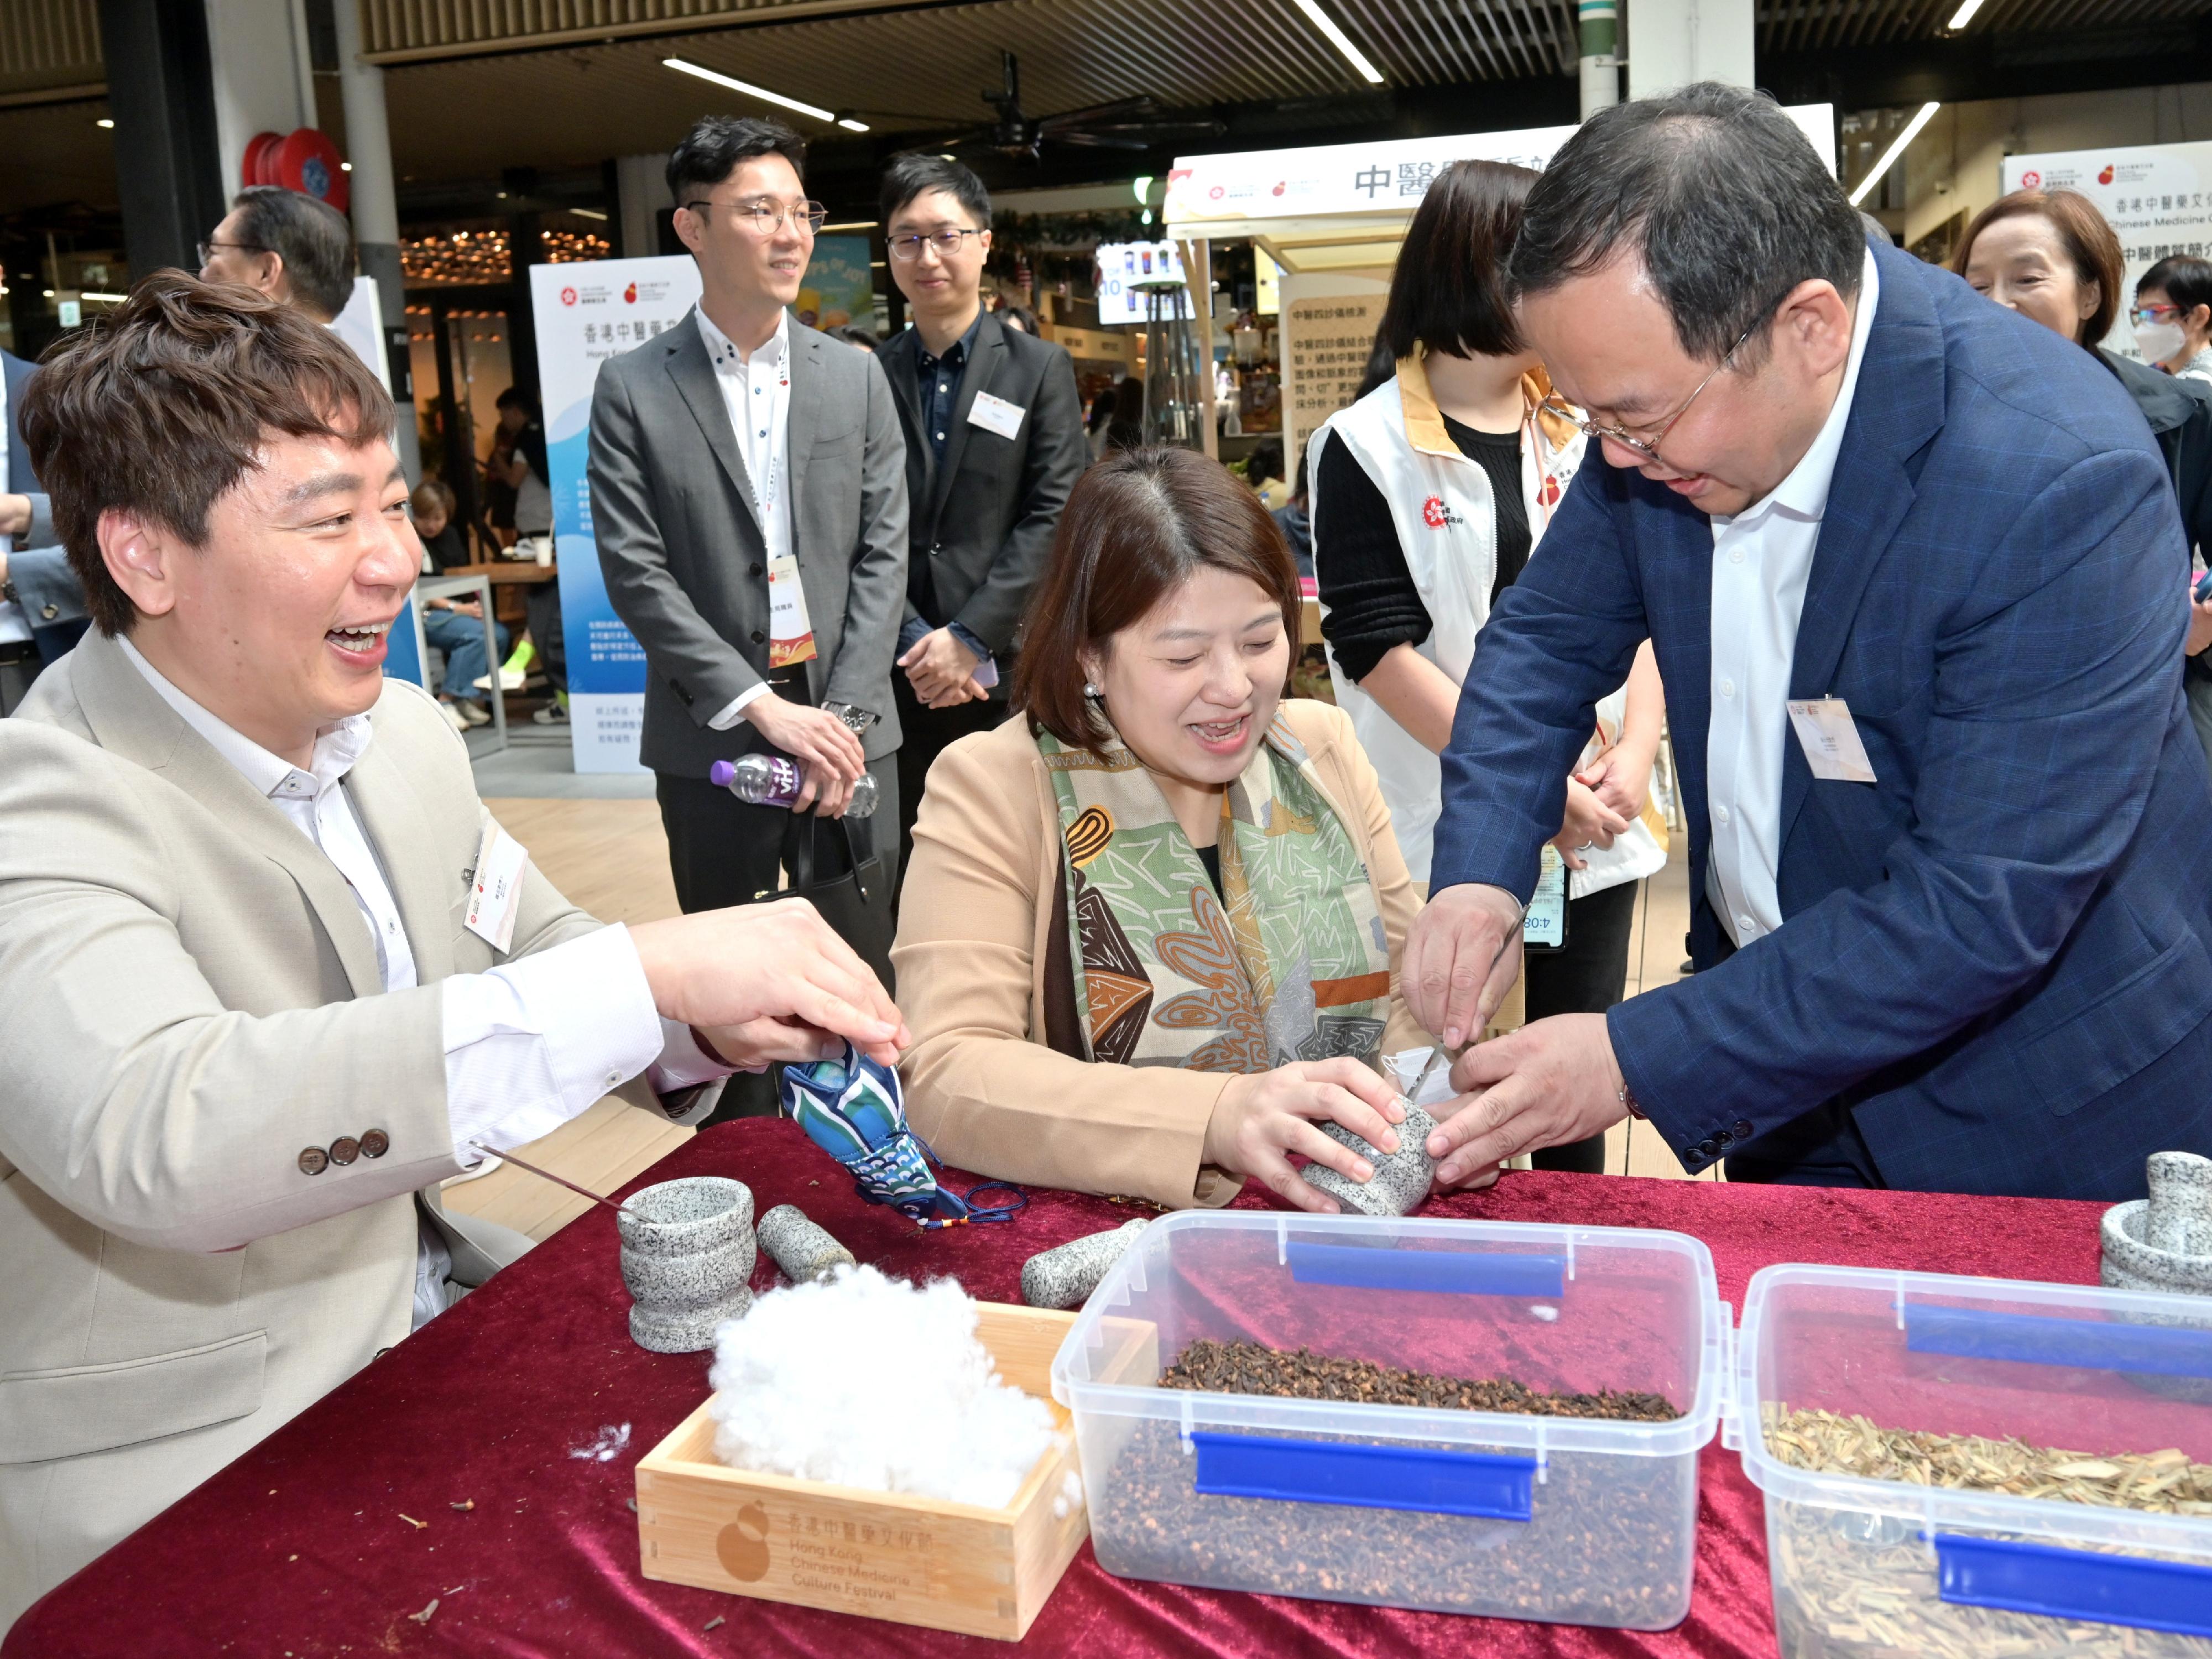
(857, 902)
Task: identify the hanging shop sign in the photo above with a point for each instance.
(1386, 175)
(2157, 197)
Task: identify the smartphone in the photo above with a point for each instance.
(2203, 590)
(1545, 926)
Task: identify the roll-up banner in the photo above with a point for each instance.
(586, 312)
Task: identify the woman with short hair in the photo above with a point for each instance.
(2050, 256)
(1150, 936)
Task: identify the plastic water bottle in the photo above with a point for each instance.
(774, 780)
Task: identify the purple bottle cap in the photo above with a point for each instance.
(721, 773)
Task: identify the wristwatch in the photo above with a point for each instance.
(854, 717)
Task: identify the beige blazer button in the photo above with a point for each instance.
(345, 1150)
(375, 1144)
(314, 1160)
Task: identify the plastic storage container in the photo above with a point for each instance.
(1866, 1566)
(1575, 1521)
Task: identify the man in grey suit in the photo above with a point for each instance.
(749, 496)
(41, 603)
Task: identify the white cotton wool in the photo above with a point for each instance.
(864, 1381)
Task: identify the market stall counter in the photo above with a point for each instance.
(472, 1492)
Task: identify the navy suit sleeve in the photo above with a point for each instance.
(2054, 691)
(1563, 636)
(44, 579)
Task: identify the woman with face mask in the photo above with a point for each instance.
(2173, 317)
(2048, 255)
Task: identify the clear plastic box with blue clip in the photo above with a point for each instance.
(1555, 1518)
(1978, 1469)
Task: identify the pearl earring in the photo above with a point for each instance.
(1091, 691)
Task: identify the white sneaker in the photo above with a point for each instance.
(510, 679)
(474, 714)
(454, 717)
(553, 713)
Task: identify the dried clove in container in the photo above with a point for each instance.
(1253, 1368)
(1608, 1541)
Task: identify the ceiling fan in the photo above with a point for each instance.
(1135, 124)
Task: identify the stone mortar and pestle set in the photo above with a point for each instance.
(689, 1247)
(688, 1250)
(2163, 1243)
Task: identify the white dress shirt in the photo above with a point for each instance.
(757, 391)
(529, 1044)
(1762, 558)
(14, 626)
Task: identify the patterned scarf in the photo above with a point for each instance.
(1289, 963)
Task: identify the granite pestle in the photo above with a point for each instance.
(1064, 1276)
(799, 1245)
(1401, 1179)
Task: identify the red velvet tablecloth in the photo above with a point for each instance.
(299, 1548)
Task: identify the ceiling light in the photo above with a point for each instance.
(1964, 15)
(946, 156)
(750, 90)
(1889, 156)
(106, 122)
(1141, 185)
(345, 166)
(1337, 38)
(589, 213)
(111, 298)
(851, 125)
(852, 224)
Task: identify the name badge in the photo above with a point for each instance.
(495, 893)
(996, 415)
(1830, 738)
(790, 636)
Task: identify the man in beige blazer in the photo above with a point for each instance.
(255, 989)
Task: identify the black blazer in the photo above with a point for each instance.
(982, 524)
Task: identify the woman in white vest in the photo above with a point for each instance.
(1428, 497)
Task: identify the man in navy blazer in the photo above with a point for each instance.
(1890, 511)
(34, 575)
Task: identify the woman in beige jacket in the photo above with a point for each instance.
(1151, 929)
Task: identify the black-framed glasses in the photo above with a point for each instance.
(764, 218)
(947, 242)
(207, 249)
(1647, 448)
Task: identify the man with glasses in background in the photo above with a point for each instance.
(295, 249)
(1916, 579)
(749, 497)
(994, 443)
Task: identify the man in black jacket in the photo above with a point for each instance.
(994, 443)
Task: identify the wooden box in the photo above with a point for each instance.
(885, 1555)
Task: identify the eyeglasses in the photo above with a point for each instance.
(765, 218)
(2141, 314)
(1647, 448)
(907, 249)
(207, 249)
